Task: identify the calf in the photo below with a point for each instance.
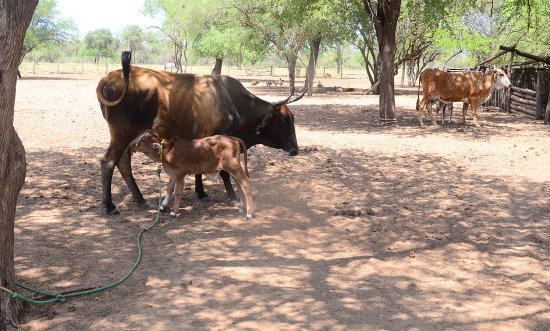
(472, 88)
(181, 158)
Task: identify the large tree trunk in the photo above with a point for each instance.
(15, 16)
(217, 67)
(385, 24)
(310, 72)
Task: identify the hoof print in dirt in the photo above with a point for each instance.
(348, 212)
(309, 150)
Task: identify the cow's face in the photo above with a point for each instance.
(500, 79)
(277, 128)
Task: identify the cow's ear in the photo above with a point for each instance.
(495, 76)
(266, 119)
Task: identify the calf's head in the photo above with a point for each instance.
(152, 145)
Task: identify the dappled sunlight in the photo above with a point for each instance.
(440, 227)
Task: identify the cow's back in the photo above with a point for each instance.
(195, 106)
(452, 86)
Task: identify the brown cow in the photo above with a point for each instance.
(181, 158)
(472, 88)
(134, 100)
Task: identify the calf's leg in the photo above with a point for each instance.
(245, 191)
(169, 191)
(178, 191)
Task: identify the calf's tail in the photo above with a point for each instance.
(126, 59)
(243, 149)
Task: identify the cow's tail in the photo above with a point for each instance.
(126, 59)
(418, 92)
(243, 149)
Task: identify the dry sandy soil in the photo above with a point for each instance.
(368, 228)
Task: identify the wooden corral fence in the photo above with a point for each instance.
(258, 71)
(528, 95)
(530, 90)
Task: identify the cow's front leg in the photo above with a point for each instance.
(474, 106)
(124, 165)
(229, 188)
(199, 188)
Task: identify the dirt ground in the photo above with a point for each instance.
(442, 227)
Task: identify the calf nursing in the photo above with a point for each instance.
(181, 158)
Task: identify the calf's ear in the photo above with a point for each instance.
(495, 76)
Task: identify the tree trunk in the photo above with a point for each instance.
(310, 72)
(339, 59)
(15, 16)
(291, 63)
(217, 67)
(385, 25)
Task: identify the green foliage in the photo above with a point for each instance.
(46, 31)
(132, 37)
(102, 42)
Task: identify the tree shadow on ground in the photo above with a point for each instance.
(341, 240)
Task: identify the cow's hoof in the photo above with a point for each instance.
(111, 210)
(248, 217)
(201, 195)
(172, 216)
(143, 205)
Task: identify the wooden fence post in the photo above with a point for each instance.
(271, 70)
(106, 67)
(542, 92)
(82, 68)
(547, 113)
(246, 69)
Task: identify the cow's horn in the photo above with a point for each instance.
(300, 96)
(282, 102)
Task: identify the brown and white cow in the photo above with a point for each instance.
(473, 88)
(181, 158)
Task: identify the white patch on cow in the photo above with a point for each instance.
(185, 179)
(230, 117)
(137, 140)
(165, 202)
(212, 176)
(195, 129)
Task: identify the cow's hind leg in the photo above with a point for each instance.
(108, 161)
(229, 188)
(124, 165)
(199, 187)
(421, 106)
